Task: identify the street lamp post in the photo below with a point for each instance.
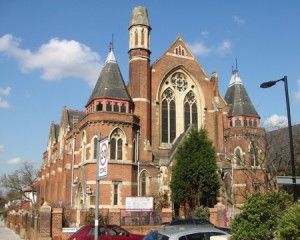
(270, 84)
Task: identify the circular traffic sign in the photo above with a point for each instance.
(103, 154)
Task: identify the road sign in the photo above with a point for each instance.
(103, 159)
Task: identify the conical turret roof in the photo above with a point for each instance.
(237, 98)
(110, 83)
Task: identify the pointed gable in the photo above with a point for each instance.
(110, 83)
(180, 49)
(237, 98)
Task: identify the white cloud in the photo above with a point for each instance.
(298, 92)
(199, 48)
(275, 122)
(15, 161)
(3, 103)
(204, 33)
(57, 59)
(1, 148)
(5, 91)
(225, 46)
(238, 20)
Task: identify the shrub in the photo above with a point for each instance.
(289, 226)
(260, 216)
(201, 212)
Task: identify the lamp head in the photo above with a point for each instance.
(268, 84)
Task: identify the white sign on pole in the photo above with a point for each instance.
(103, 159)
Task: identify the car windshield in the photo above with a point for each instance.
(154, 235)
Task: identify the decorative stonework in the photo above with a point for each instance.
(179, 82)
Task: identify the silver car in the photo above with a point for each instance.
(187, 232)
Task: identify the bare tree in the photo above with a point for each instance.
(255, 168)
(21, 181)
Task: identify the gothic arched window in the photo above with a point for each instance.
(99, 107)
(237, 123)
(108, 107)
(254, 158)
(168, 116)
(116, 107)
(238, 156)
(116, 145)
(123, 108)
(190, 110)
(143, 178)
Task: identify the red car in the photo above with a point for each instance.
(105, 232)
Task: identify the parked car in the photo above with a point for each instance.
(194, 221)
(189, 221)
(187, 232)
(105, 232)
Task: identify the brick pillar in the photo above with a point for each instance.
(45, 222)
(166, 215)
(57, 223)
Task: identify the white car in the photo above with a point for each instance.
(203, 232)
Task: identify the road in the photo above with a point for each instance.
(6, 233)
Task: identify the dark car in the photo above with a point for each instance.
(105, 232)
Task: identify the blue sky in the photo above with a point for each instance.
(51, 53)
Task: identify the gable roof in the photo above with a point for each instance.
(110, 83)
(237, 98)
(186, 54)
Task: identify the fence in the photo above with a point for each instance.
(139, 218)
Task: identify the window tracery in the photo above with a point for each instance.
(179, 81)
(116, 145)
(168, 113)
(190, 110)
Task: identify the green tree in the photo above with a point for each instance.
(260, 216)
(289, 226)
(194, 177)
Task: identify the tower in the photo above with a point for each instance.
(139, 85)
(244, 143)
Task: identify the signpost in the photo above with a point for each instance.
(102, 159)
(288, 180)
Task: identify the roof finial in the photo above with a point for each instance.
(111, 44)
(236, 65)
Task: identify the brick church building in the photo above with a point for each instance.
(145, 121)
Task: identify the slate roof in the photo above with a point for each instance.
(110, 83)
(237, 98)
(74, 117)
(139, 16)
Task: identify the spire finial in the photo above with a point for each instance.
(111, 43)
(236, 65)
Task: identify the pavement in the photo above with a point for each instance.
(6, 233)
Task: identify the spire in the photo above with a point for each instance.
(237, 98)
(110, 82)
